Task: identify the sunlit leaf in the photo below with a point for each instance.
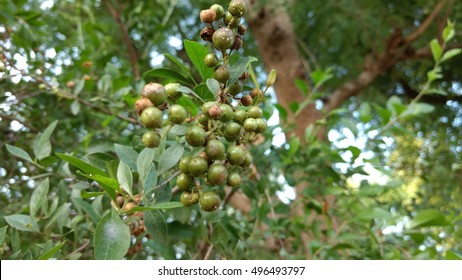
(111, 238)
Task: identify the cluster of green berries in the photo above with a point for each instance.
(217, 135)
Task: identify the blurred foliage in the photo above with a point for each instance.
(397, 191)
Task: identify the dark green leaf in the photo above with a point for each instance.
(203, 92)
(144, 162)
(375, 213)
(428, 218)
(213, 86)
(22, 222)
(112, 237)
(2, 234)
(156, 226)
(20, 153)
(42, 145)
(87, 208)
(110, 185)
(239, 67)
(168, 74)
(157, 206)
(61, 213)
(197, 53)
(50, 253)
(219, 235)
(38, 197)
(451, 255)
(80, 164)
(190, 92)
(127, 155)
(170, 158)
(150, 180)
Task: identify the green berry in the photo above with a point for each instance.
(255, 112)
(197, 166)
(219, 10)
(247, 159)
(203, 120)
(206, 106)
(261, 125)
(215, 149)
(238, 8)
(183, 164)
(177, 114)
(209, 201)
(236, 155)
(226, 113)
(151, 139)
(155, 92)
(240, 116)
(232, 131)
(222, 74)
(223, 38)
(231, 20)
(234, 179)
(151, 117)
(184, 181)
(188, 198)
(195, 136)
(250, 125)
(235, 88)
(172, 90)
(211, 60)
(217, 174)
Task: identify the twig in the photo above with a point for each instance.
(425, 24)
(209, 252)
(132, 53)
(81, 248)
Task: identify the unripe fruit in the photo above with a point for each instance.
(235, 88)
(151, 139)
(261, 125)
(195, 136)
(206, 106)
(240, 116)
(203, 120)
(219, 10)
(255, 112)
(183, 164)
(238, 8)
(217, 174)
(171, 90)
(197, 166)
(226, 113)
(188, 198)
(215, 149)
(209, 201)
(177, 114)
(250, 125)
(155, 92)
(247, 159)
(184, 181)
(231, 20)
(223, 38)
(246, 100)
(142, 104)
(236, 155)
(151, 117)
(234, 179)
(222, 74)
(208, 16)
(211, 60)
(232, 131)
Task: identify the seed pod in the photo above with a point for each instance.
(207, 34)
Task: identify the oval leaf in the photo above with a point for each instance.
(428, 218)
(156, 226)
(170, 158)
(144, 161)
(127, 155)
(38, 197)
(125, 177)
(20, 153)
(82, 165)
(197, 53)
(22, 222)
(112, 237)
(42, 145)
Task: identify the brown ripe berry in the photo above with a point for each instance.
(70, 84)
(244, 76)
(129, 206)
(241, 29)
(256, 93)
(246, 100)
(120, 200)
(237, 42)
(215, 111)
(208, 16)
(207, 33)
(87, 64)
(155, 92)
(142, 104)
(86, 77)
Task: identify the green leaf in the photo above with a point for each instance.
(75, 107)
(22, 222)
(127, 155)
(144, 162)
(158, 206)
(219, 235)
(451, 255)
(449, 32)
(239, 67)
(80, 164)
(203, 91)
(189, 91)
(150, 180)
(110, 185)
(282, 112)
(365, 112)
(294, 144)
(213, 86)
(168, 74)
(2, 234)
(112, 237)
(375, 213)
(196, 53)
(20, 153)
(125, 177)
(415, 109)
(436, 49)
(428, 218)
(87, 208)
(178, 63)
(50, 253)
(450, 54)
(61, 213)
(170, 158)
(435, 91)
(395, 105)
(38, 197)
(155, 224)
(42, 145)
